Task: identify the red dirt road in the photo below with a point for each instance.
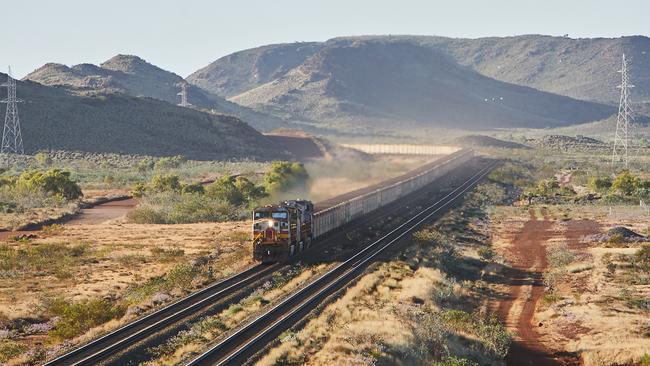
(525, 287)
(104, 212)
(88, 216)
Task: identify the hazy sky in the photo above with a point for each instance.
(184, 35)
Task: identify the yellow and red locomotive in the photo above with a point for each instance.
(282, 230)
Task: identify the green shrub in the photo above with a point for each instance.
(489, 330)
(458, 320)
(139, 190)
(177, 208)
(54, 182)
(428, 237)
(53, 258)
(285, 176)
(546, 187)
(147, 215)
(76, 318)
(600, 184)
(249, 190)
(193, 188)
(180, 277)
(165, 183)
(455, 361)
(625, 183)
(645, 359)
(10, 349)
(225, 190)
(170, 162)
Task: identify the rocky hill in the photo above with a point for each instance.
(57, 119)
(134, 76)
(245, 70)
(581, 68)
(365, 86)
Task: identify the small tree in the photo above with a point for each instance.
(224, 190)
(53, 181)
(600, 184)
(249, 190)
(625, 183)
(284, 176)
(165, 183)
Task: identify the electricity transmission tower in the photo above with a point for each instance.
(183, 94)
(623, 120)
(12, 139)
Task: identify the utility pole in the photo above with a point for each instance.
(12, 139)
(623, 120)
(183, 94)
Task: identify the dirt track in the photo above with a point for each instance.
(88, 216)
(525, 287)
(104, 212)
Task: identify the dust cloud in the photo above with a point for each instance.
(333, 177)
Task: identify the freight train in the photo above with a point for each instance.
(282, 230)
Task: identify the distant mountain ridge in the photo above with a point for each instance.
(379, 84)
(583, 68)
(134, 76)
(53, 118)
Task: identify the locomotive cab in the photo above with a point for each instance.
(281, 230)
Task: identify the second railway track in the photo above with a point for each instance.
(241, 344)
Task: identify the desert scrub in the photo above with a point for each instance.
(76, 318)
(492, 334)
(183, 208)
(512, 173)
(10, 349)
(48, 258)
(166, 255)
(455, 361)
(179, 277)
(559, 257)
(165, 200)
(33, 189)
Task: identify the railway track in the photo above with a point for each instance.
(147, 327)
(248, 339)
(119, 339)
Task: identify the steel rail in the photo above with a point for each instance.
(130, 333)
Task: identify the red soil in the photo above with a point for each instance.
(528, 255)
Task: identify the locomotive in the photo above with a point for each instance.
(282, 230)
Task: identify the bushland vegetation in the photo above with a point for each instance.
(35, 195)
(166, 200)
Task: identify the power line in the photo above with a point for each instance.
(183, 94)
(12, 139)
(623, 120)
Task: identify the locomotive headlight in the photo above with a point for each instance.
(270, 223)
